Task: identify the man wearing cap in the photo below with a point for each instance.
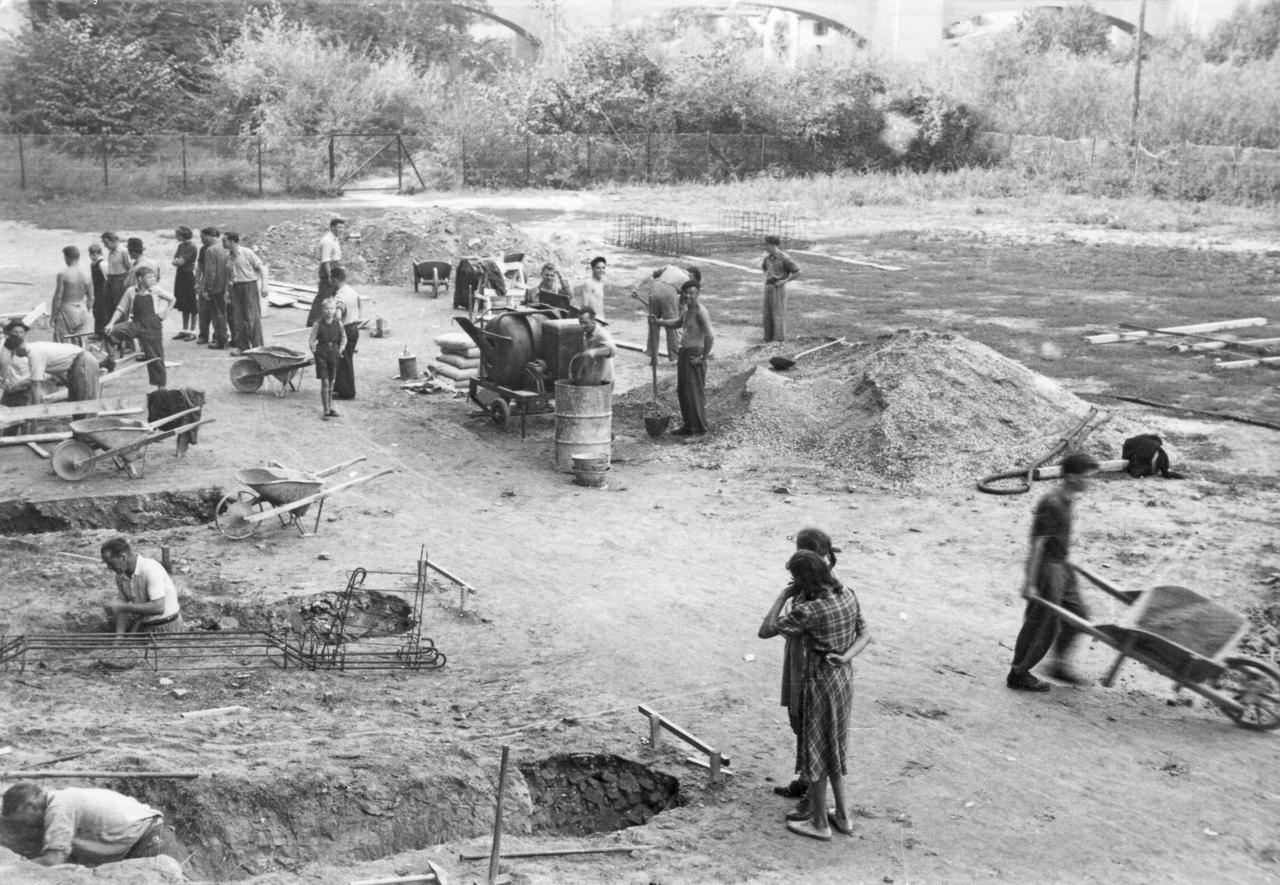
(13, 369)
(330, 260)
(89, 826)
(45, 363)
(1049, 576)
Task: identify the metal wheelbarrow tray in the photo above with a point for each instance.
(281, 363)
(283, 493)
(1190, 639)
(122, 441)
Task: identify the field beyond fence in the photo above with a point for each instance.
(195, 164)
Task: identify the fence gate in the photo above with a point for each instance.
(382, 152)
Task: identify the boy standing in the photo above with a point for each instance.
(327, 339)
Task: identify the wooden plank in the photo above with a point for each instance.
(53, 436)
(1136, 335)
(561, 852)
(35, 447)
(22, 774)
(1247, 364)
(679, 732)
(855, 261)
(20, 414)
(1261, 344)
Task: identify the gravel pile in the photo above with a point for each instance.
(390, 243)
(910, 410)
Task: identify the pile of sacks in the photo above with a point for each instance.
(459, 357)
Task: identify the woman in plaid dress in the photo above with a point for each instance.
(828, 620)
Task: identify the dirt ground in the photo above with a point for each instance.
(589, 602)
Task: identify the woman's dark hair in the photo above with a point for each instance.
(811, 574)
(819, 542)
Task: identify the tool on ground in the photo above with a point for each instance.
(1263, 351)
(280, 492)
(561, 852)
(435, 877)
(28, 774)
(782, 363)
(1038, 471)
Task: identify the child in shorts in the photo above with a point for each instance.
(327, 340)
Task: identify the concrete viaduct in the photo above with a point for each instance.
(910, 28)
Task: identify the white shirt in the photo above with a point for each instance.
(47, 358)
(330, 248)
(150, 582)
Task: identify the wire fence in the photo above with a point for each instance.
(177, 163)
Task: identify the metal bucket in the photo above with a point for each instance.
(408, 367)
(590, 470)
(584, 422)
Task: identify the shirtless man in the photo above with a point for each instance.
(697, 339)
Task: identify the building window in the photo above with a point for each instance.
(819, 29)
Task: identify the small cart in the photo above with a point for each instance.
(281, 363)
(122, 441)
(1190, 639)
(280, 492)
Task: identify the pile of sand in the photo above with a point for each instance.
(910, 409)
(390, 243)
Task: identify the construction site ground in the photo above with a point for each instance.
(590, 602)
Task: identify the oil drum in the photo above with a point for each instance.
(584, 422)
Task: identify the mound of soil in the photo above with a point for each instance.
(389, 244)
(910, 409)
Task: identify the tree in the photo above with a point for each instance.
(61, 78)
(1250, 34)
(1078, 30)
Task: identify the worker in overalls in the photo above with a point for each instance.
(143, 310)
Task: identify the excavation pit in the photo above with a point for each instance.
(123, 513)
(331, 807)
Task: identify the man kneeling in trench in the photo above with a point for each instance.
(90, 826)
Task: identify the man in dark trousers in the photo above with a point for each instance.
(1050, 577)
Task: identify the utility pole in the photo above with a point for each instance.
(1137, 74)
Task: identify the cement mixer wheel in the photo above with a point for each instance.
(500, 411)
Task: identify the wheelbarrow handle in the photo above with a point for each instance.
(819, 347)
(336, 467)
(167, 418)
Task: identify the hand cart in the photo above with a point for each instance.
(281, 363)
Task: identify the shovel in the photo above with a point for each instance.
(781, 363)
(655, 424)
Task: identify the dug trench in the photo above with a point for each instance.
(371, 807)
(120, 512)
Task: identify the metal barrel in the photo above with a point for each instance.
(584, 422)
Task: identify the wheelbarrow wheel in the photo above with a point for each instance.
(246, 376)
(231, 515)
(68, 457)
(500, 412)
(1256, 687)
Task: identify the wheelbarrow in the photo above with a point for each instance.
(1190, 639)
(283, 493)
(121, 441)
(281, 363)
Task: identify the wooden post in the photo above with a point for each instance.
(655, 721)
(259, 138)
(399, 164)
(332, 165)
(528, 158)
(22, 165)
(166, 560)
(496, 851)
(464, 159)
(648, 156)
(761, 153)
(106, 181)
(184, 162)
(588, 157)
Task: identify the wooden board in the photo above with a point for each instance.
(1135, 335)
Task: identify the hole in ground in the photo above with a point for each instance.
(328, 808)
(574, 795)
(125, 513)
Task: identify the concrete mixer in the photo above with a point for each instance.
(523, 353)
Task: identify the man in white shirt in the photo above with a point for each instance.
(148, 600)
(89, 826)
(330, 260)
(595, 364)
(45, 364)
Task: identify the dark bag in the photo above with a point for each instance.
(1146, 456)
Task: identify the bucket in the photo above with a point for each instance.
(380, 328)
(590, 470)
(584, 422)
(408, 368)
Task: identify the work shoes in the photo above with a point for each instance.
(1025, 682)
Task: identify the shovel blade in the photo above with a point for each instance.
(781, 363)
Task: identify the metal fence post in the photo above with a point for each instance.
(707, 155)
(761, 153)
(22, 165)
(464, 159)
(648, 156)
(184, 162)
(106, 182)
(259, 139)
(399, 163)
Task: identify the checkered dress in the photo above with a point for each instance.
(827, 624)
